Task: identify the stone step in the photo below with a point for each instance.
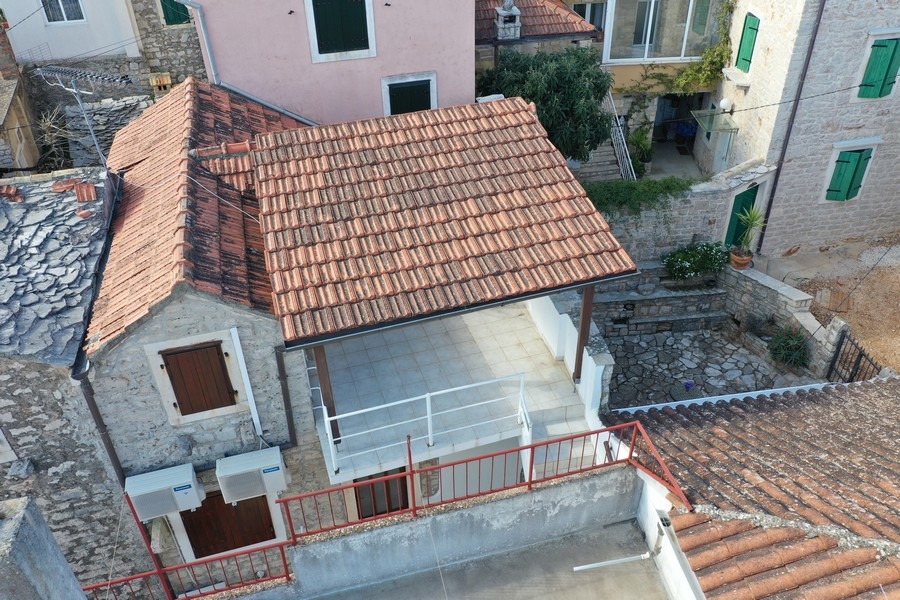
(712, 319)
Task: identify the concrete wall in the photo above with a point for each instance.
(132, 405)
(59, 461)
(801, 217)
(106, 28)
(266, 51)
(173, 49)
(31, 565)
(454, 536)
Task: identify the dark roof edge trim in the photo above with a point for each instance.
(304, 343)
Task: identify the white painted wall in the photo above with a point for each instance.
(106, 29)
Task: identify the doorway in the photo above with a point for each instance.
(382, 497)
(744, 200)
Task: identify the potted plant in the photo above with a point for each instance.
(640, 144)
(752, 219)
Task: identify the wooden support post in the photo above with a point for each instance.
(325, 385)
(584, 328)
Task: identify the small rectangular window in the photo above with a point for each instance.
(340, 25)
(849, 170)
(59, 11)
(199, 377)
(409, 96)
(175, 13)
(701, 16)
(881, 70)
(646, 22)
(748, 42)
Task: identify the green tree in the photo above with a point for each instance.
(568, 89)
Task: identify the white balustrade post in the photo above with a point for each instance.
(430, 423)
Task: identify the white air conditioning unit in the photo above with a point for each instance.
(253, 474)
(166, 491)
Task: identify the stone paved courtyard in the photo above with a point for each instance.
(650, 369)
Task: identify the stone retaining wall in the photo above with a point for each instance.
(754, 295)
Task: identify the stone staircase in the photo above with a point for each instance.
(650, 303)
(601, 166)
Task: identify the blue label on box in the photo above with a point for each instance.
(271, 469)
(181, 488)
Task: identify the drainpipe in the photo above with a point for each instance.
(790, 125)
(214, 71)
(285, 393)
(87, 390)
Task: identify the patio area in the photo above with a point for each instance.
(486, 375)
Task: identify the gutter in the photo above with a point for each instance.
(81, 366)
(214, 71)
(790, 125)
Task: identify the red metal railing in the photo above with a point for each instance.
(395, 494)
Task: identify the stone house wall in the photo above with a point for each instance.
(132, 406)
(60, 462)
(801, 216)
(173, 49)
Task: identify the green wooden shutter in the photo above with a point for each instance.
(701, 16)
(859, 172)
(881, 71)
(842, 178)
(340, 25)
(410, 96)
(748, 42)
(175, 13)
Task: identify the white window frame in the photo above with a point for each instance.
(848, 146)
(234, 364)
(874, 35)
(386, 82)
(335, 56)
(646, 58)
(184, 542)
(65, 20)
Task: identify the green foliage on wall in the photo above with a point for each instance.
(634, 197)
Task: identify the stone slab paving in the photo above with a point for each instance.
(652, 369)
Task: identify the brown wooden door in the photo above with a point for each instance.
(217, 526)
(383, 497)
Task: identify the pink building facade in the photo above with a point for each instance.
(338, 60)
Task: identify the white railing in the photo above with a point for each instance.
(422, 404)
(617, 132)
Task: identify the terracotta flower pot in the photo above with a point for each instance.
(740, 261)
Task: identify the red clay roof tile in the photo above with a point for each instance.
(178, 221)
(539, 18)
(418, 214)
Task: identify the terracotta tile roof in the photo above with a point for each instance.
(539, 18)
(178, 222)
(802, 485)
(402, 217)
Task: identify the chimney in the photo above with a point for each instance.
(8, 67)
(508, 23)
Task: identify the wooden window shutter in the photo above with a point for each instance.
(881, 70)
(842, 178)
(340, 25)
(410, 96)
(859, 172)
(748, 42)
(175, 13)
(199, 377)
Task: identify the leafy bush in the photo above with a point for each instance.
(707, 258)
(788, 346)
(634, 196)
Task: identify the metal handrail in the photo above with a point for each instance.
(617, 134)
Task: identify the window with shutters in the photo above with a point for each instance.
(340, 29)
(748, 43)
(200, 377)
(882, 67)
(409, 93)
(61, 11)
(175, 13)
(848, 174)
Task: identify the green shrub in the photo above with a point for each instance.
(632, 197)
(707, 258)
(788, 346)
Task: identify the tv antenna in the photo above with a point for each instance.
(67, 78)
